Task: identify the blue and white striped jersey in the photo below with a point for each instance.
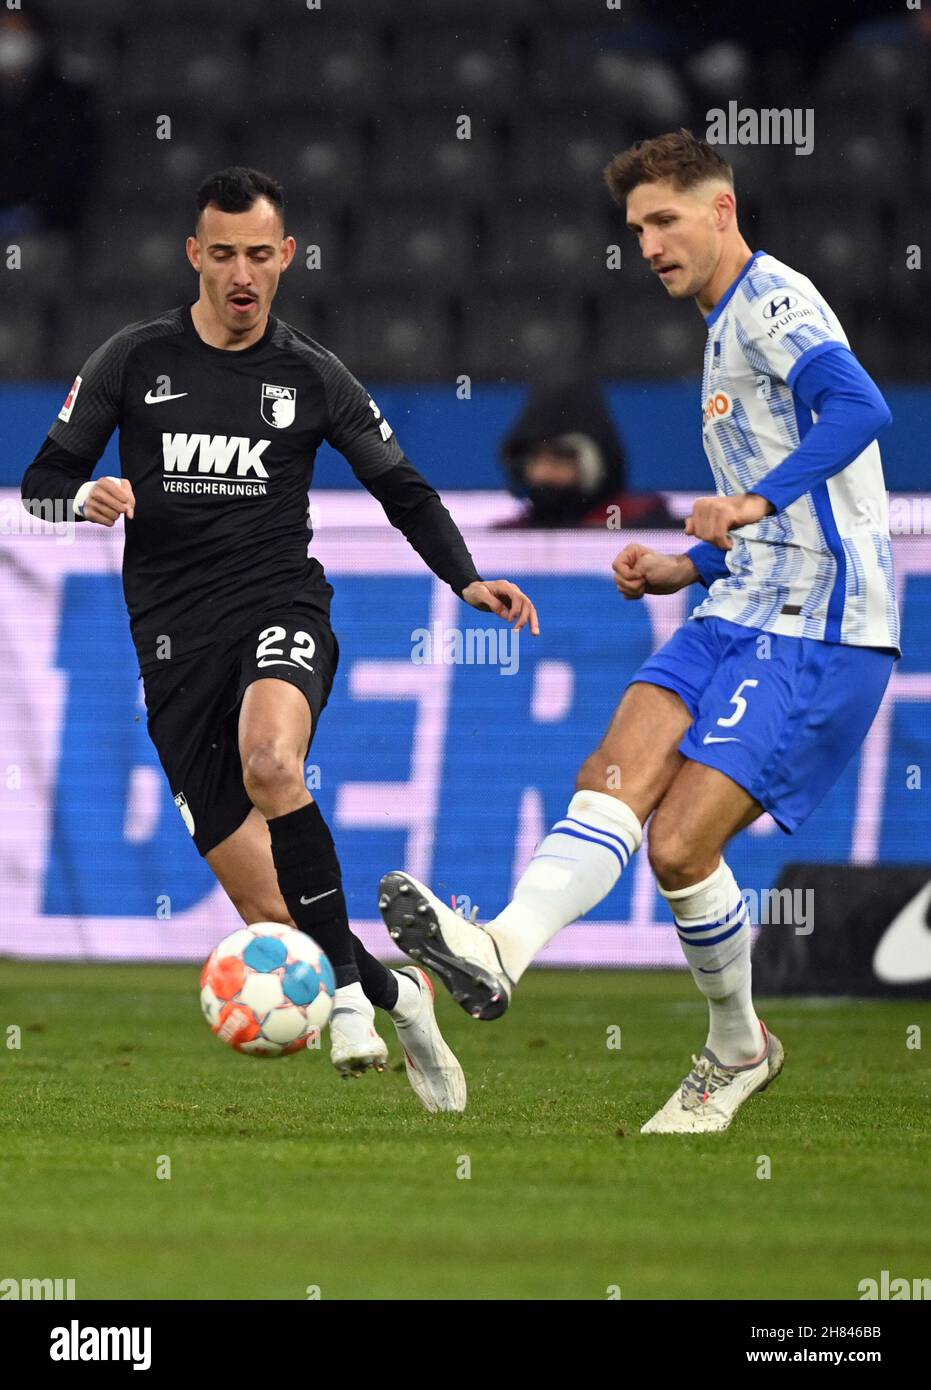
(822, 566)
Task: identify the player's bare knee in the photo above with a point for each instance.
(269, 772)
(675, 861)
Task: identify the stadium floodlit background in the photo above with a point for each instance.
(441, 162)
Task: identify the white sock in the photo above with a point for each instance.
(573, 868)
(714, 928)
(408, 1002)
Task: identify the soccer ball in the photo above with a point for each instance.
(267, 990)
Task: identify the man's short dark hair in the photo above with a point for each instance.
(678, 156)
(236, 189)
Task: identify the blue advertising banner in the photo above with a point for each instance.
(448, 747)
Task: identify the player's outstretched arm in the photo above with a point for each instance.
(358, 429)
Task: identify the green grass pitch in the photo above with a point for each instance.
(284, 1178)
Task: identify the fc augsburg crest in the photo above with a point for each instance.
(278, 405)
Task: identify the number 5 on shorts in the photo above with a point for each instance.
(740, 706)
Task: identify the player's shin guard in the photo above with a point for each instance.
(572, 869)
(312, 886)
(714, 928)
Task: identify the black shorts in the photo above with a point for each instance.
(193, 710)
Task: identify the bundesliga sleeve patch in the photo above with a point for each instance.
(65, 412)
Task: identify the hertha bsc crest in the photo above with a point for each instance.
(278, 406)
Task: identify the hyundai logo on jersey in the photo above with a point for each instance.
(782, 305)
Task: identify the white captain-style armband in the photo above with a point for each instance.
(81, 496)
(84, 491)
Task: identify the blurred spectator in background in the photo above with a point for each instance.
(565, 456)
(50, 132)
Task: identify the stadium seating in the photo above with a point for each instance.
(564, 154)
(141, 171)
(321, 67)
(360, 117)
(542, 241)
(523, 337)
(415, 245)
(321, 161)
(384, 336)
(167, 68)
(642, 336)
(475, 71)
(423, 156)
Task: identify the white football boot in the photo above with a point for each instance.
(712, 1093)
(432, 1067)
(461, 952)
(355, 1047)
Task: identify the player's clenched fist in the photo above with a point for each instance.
(639, 570)
(713, 517)
(107, 499)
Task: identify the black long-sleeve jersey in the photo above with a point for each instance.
(219, 447)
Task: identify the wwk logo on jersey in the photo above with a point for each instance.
(278, 405)
(214, 453)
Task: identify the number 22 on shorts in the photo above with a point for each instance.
(267, 654)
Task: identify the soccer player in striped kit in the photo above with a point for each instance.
(758, 702)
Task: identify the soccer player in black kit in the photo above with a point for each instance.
(221, 408)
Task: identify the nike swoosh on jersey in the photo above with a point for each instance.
(903, 955)
(152, 399)
(716, 738)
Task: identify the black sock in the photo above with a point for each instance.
(378, 982)
(307, 867)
